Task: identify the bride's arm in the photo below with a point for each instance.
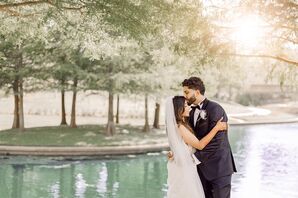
(190, 139)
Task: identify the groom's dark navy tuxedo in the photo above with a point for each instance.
(217, 162)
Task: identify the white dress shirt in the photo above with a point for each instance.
(197, 113)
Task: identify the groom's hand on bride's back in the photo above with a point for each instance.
(170, 155)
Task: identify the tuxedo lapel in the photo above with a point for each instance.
(205, 103)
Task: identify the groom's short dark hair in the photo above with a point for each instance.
(194, 83)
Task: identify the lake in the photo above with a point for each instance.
(266, 157)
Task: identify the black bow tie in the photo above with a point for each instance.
(196, 107)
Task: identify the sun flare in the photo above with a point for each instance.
(248, 31)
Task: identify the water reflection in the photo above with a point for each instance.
(17, 180)
(54, 190)
(266, 158)
(101, 186)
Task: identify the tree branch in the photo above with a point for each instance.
(261, 26)
(6, 6)
(11, 12)
(25, 3)
(293, 62)
(17, 14)
(285, 39)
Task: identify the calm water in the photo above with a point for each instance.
(266, 157)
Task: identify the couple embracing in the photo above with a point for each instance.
(200, 162)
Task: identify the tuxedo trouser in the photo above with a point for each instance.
(217, 188)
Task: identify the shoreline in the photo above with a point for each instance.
(103, 151)
(61, 151)
(244, 116)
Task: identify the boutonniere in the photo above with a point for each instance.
(203, 114)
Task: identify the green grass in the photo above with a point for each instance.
(85, 135)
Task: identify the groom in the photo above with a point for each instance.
(217, 163)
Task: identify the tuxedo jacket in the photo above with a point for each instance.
(216, 158)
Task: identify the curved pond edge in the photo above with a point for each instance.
(81, 151)
(76, 151)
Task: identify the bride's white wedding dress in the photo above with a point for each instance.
(183, 179)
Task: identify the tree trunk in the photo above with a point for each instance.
(146, 126)
(111, 129)
(73, 107)
(63, 114)
(156, 116)
(16, 117)
(21, 107)
(117, 114)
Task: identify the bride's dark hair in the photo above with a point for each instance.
(179, 108)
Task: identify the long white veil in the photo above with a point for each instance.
(183, 179)
(177, 145)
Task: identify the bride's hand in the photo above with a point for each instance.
(221, 126)
(170, 155)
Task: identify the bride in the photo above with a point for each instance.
(183, 178)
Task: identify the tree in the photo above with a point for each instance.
(122, 60)
(78, 74)
(89, 46)
(20, 44)
(66, 36)
(60, 67)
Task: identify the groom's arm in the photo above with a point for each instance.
(215, 114)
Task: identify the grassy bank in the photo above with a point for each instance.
(85, 135)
